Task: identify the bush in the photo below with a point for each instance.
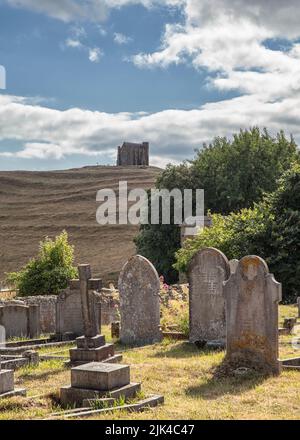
(238, 234)
(49, 272)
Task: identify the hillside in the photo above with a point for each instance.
(39, 204)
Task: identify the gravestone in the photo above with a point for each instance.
(252, 296)
(206, 272)
(7, 385)
(233, 265)
(69, 319)
(20, 320)
(99, 381)
(91, 347)
(139, 288)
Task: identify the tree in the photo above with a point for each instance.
(49, 272)
(271, 229)
(234, 174)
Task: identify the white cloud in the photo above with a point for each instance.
(121, 38)
(173, 134)
(95, 54)
(73, 43)
(227, 38)
(88, 10)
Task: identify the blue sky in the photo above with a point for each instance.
(85, 75)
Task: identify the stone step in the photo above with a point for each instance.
(92, 355)
(75, 396)
(100, 376)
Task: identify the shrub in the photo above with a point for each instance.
(238, 234)
(49, 272)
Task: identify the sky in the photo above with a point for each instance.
(82, 76)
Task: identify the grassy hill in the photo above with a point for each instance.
(38, 204)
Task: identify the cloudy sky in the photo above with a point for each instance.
(85, 75)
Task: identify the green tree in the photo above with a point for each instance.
(49, 272)
(234, 174)
(237, 173)
(271, 229)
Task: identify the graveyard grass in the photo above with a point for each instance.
(183, 374)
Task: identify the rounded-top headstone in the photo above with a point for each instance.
(139, 302)
(252, 295)
(207, 270)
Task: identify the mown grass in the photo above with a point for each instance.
(184, 375)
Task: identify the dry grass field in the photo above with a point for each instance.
(184, 375)
(38, 204)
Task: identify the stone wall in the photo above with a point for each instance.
(47, 305)
(69, 318)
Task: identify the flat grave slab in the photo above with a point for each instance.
(100, 376)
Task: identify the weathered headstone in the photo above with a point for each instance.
(91, 346)
(252, 296)
(69, 318)
(7, 385)
(139, 302)
(20, 320)
(207, 270)
(233, 265)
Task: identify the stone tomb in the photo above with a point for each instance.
(91, 346)
(252, 296)
(97, 381)
(139, 288)
(206, 272)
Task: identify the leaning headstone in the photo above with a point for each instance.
(233, 265)
(139, 288)
(207, 270)
(252, 296)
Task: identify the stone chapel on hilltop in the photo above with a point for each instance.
(133, 154)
